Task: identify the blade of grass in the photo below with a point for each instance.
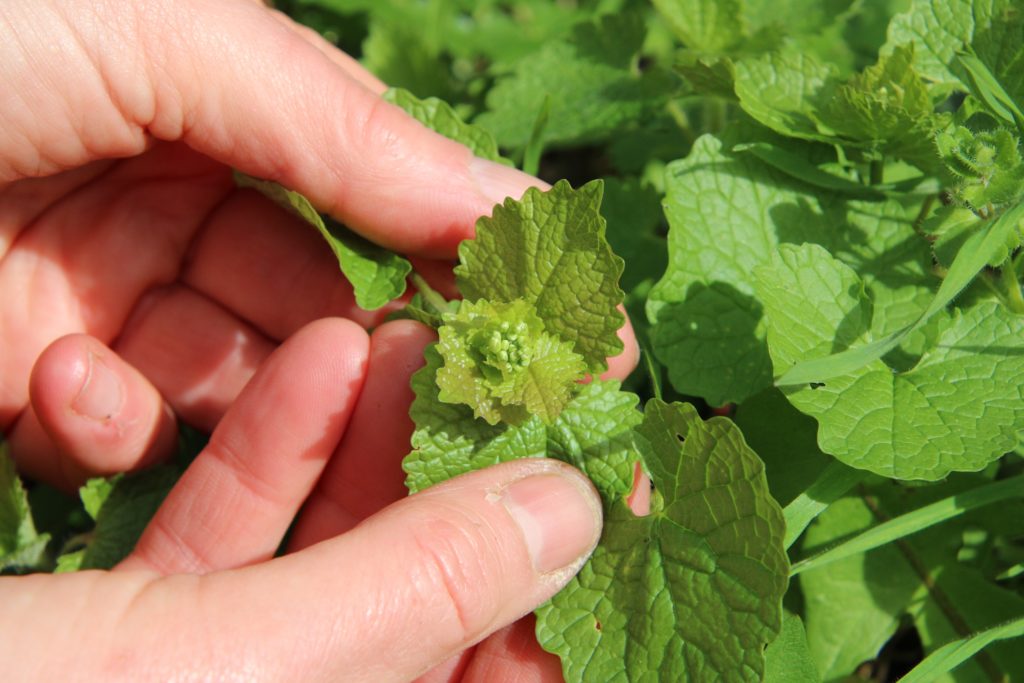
(915, 521)
(973, 256)
(535, 146)
(987, 88)
(803, 170)
(1011, 573)
(952, 655)
(829, 487)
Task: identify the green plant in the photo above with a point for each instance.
(818, 208)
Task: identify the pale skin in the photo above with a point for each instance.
(140, 287)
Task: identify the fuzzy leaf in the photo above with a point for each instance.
(634, 214)
(440, 117)
(788, 657)
(550, 250)
(594, 433)
(886, 109)
(377, 274)
(21, 546)
(726, 213)
(124, 513)
(500, 361)
(94, 493)
(938, 29)
(951, 226)
(987, 166)
(709, 554)
(450, 441)
(592, 89)
(782, 90)
(954, 410)
(704, 26)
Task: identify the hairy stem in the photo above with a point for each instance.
(1011, 285)
(926, 208)
(430, 295)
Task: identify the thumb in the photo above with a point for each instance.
(408, 588)
(243, 85)
(439, 571)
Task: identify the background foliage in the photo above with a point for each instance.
(819, 209)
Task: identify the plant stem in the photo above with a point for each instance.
(714, 114)
(988, 279)
(535, 145)
(830, 486)
(942, 601)
(1011, 285)
(429, 294)
(876, 169)
(682, 120)
(926, 208)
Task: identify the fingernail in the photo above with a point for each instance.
(101, 395)
(560, 517)
(497, 182)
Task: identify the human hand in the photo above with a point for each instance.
(404, 590)
(191, 301)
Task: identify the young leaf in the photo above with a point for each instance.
(955, 410)
(500, 361)
(21, 546)
(937, 29)
(377, 274)
(783, 89)
(94, 493)
(449, 440)
(440, 117)
(594, 433)
(987, 164)
(549, 249)
(658, 589)
(705, 26)
(886, 110)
